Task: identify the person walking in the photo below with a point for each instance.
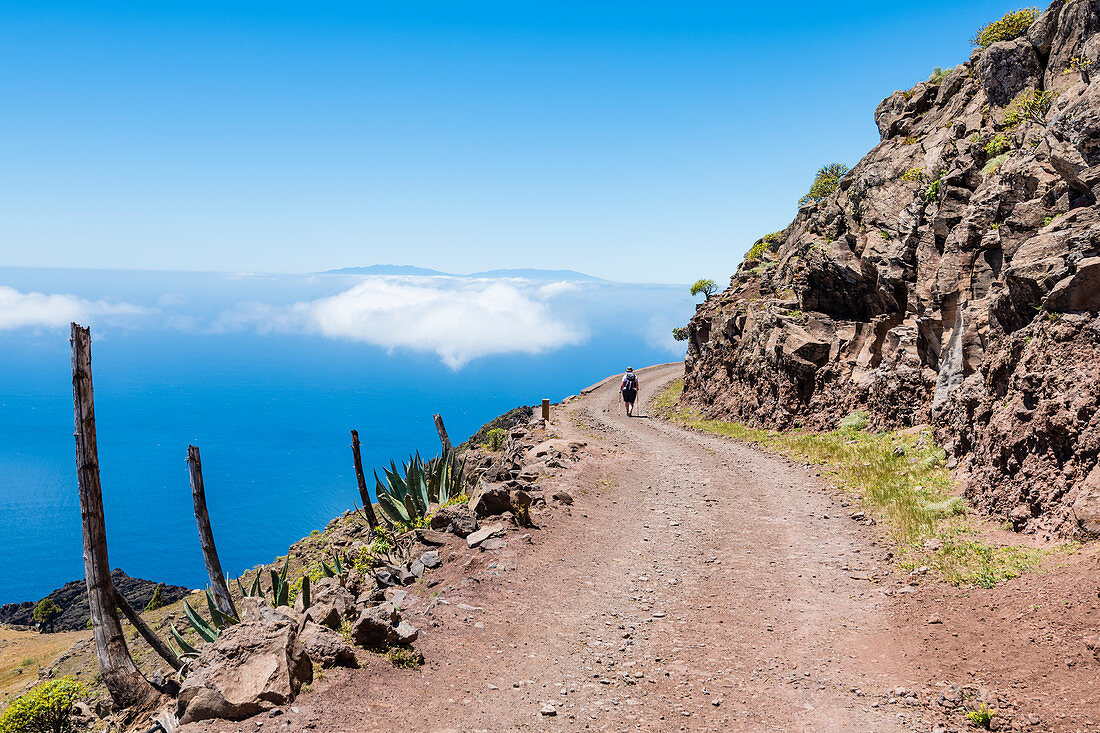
(629, 390)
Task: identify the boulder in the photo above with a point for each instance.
(476, 538)
(564, 497)
(326, 648)
(330, 603)
(489, 499)
(1008, 68)
(1078, 292)
(1086, 503)
(431, 537)
(250, 668)
(463, 522)
(430, 559)
(380, 626)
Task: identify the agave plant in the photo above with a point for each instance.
(408, 492)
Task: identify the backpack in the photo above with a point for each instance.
(630, 381)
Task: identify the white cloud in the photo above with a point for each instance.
(20, 310)
(459, 319)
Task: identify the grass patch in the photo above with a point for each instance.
(405, 658)
(899, 477)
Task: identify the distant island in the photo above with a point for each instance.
(523, 272)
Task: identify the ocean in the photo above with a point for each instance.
(267, 374)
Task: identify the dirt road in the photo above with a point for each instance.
(695, 584)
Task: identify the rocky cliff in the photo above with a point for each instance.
(952, 277)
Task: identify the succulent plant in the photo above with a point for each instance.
(408, 492)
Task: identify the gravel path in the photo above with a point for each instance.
(695, 584)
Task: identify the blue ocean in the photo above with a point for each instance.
(267, 374)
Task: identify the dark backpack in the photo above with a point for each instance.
(630, 381)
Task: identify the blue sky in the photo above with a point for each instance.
(636, 141)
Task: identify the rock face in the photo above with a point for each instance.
(72, 598)
(953, 278)
(251, 667)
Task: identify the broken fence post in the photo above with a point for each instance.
(147, 632)
(546, 410)
(443, 437)
(364, 495)
(119, 673)
(206, 536)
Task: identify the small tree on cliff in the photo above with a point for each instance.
(706, 287)
(46, 612)
(825, 182)
(681, 333)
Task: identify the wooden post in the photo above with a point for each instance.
(206, 536)
(546, 410)
(117, 668)
(443, 438)
(368, 508)
(146, 632)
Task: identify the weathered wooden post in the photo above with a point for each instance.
(443, 437)
(368, 508)
(206, 536)
(119, 673)
(546, 410)
(147, 632)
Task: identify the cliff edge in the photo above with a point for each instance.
(952, 277)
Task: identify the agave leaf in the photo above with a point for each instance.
(337, 564)
(304, 594)
(410, 507)
(240, 585)
(392, 509)
(186, 649)
(257, 590)
(205, 631)
(280, 591)
(286, 566)
(327, 571)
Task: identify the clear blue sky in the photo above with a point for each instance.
(632, 140)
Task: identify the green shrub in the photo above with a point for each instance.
(157, 601)
(405, 658)
(994, 164)
(998, 144)
(1012, 25)
(1078, 64)
(981, 717)
(706, 287)
(858, 420)
(825, 182)
(495, 439)
(46, 612)
(680, 333)
(933, 191)
(913, 174)
(938, 75)
(1031, 106)
(45, 709)
(767, 243)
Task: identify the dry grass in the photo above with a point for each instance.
(899, 477)
(23, 653)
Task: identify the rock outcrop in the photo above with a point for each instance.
(251, 667)
(72, 598)
(952, 278)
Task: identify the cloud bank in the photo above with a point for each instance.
(22, 310)
(459, 320)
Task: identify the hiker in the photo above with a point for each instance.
(629, 390)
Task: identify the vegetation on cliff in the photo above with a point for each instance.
(911, 286)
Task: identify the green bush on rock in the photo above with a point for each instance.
(46, 708)
(825, 182)
(1012, 25)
